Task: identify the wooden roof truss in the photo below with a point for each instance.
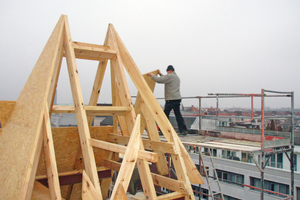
(28, 127)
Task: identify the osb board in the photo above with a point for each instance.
(6, 108)
(20, 137)
(66, 145)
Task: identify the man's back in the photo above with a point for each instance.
(172, 85)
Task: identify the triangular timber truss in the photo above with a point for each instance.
(28, 128)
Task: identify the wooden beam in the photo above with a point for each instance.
(88, 190)
(107, 110)
(158, 114)
(149, 156)
(114, 97)
(120, 121)
(82, 123)
(165, 147)
(149, 122)
(105, 183)
(92, 51)
(171, 196)
(129, 160)
(169, 183)
(50, 159)
(120, 80)
(97, 86)
(21, 138)
(71, 173)
(63, 109)
(120, 194)
(146, 179)
(94, 110)
(158, 180)
(113, 165)
(139, 101)
(143, 89)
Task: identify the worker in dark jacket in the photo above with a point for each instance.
(172, 95)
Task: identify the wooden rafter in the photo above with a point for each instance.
(50, 159)
(82, 123)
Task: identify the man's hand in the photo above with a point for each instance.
(150, 74)
(159, 72)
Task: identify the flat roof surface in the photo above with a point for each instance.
(219, 143)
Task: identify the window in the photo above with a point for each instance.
(214, 152)
(270, 185)
(230, 177)
(298, 192)
(244, 157)
(229, 155)
(279, 160)
(204, 193)
(272, 160)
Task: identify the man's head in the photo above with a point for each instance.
(170, 68)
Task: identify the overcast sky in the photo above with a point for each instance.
(236, 46)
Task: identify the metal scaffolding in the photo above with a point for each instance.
(267, 147)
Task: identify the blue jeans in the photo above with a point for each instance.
(175, 105)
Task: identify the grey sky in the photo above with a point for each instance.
(215, 46)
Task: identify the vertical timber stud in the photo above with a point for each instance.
(82, 122)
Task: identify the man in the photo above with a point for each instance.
(172, 95)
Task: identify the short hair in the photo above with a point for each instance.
(170, 68)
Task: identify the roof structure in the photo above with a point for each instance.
(85, 151)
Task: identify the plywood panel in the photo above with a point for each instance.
(66, 144)
(20, 139)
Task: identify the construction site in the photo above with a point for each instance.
(224, 156)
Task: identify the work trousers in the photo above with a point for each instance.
(175, 105)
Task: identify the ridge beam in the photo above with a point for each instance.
(92, 51)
